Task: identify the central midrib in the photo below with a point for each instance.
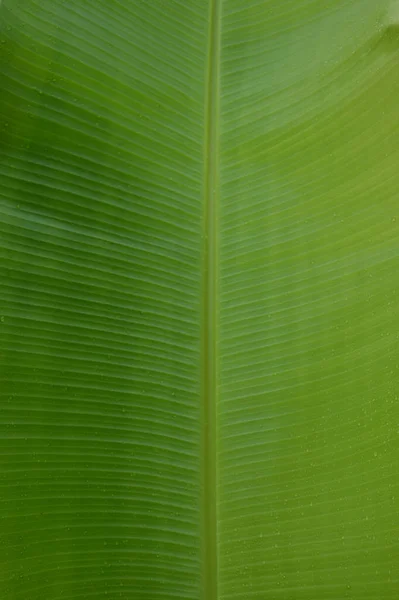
(209, 347)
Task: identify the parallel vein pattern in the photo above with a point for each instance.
(170, 431)
(101, 173)
(309, 378)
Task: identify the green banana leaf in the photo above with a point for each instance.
(199, 355)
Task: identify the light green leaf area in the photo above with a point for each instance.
(198, 299)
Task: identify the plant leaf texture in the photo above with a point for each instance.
(199, 368)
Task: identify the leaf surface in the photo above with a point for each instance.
(199, 258)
